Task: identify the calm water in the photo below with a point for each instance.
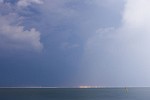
(74, 94)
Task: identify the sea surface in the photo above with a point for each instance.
(74, 93)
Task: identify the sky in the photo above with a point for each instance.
(69, 43)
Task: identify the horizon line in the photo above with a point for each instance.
(82, 87)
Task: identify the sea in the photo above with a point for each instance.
(75, 93)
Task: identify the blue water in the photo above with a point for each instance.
(74, 94)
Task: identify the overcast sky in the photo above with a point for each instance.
(74, 42)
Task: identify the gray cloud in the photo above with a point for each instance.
(14, 35)
(121, 56)
(25, 3)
